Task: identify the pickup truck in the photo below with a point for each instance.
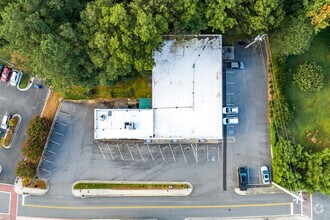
(235, 65)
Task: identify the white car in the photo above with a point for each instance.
(230, 110)
(230, 121)
(5, 121)
(236, 65)
(265, 175)
(15, 76)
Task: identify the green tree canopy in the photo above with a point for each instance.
(292, 38)
(309, 77)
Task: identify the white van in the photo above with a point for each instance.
(5, 121)
(15, 76)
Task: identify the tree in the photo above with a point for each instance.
(26, 169)
(319, 13)
(292, 38)
(122, 37)
(309, 77)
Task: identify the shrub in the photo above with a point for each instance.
(38, 128)
(309, 77)
(26, 169)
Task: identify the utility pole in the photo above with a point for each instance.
(257, 39)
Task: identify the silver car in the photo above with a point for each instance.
(5, 121)
(15, 76)
(230, 121)
(230, 110)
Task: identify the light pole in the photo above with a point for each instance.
(257, 39)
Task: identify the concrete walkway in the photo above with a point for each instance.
(82, 193)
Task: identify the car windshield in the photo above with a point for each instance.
(266, 176)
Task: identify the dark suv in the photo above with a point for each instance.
(243, 178)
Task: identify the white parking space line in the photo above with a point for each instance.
(48, 161)
(120, 152)
(231, 83)
(45, 170)
(150, 152)
(110, 151)
(230, 93)
(207, 153)
(54, 142)
(184, 156)
(101, 151)
(139, 151)
(160, 149)
(218, 153)
(52, 152)
(194, 151)
(55, 132)
(66, 114)
(172, 153)
(61, 123)
(229, 104)
(129, 151)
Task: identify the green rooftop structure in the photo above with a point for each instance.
(145, 103)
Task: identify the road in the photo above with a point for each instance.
(170, 208)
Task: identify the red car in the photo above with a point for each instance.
(5, 74)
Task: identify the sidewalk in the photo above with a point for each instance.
(13, 201)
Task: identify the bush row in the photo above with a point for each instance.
(37, 132)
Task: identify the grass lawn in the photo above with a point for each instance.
(20, 62)
(135, 87)
(311, 123)
(129, 186)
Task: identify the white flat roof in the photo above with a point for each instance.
(110, 123)
(187, 89)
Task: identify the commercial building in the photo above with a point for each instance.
(186, 97)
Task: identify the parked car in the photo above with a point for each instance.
(230, 110)
(265, 175)
(5, 121)
(1, 68)
(5, 74)
(15, 76)
(0, 169)
(243, 178)
(230, 121)
(236, 65)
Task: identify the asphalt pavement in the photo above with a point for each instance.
(27, 104)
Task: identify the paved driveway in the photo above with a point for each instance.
(27, 104)
(247, 89)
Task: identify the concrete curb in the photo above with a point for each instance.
(267, 190)
(28, 86)
(82, 193)
(15, 132)
(45, 104)
(19, 189)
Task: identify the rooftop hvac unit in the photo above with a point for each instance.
(129, 126)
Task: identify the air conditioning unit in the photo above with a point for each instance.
(129, 125)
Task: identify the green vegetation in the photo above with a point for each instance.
(311, 125)
(129, 186)
(25, 80)
(301, 147)
(26, 169)
(134, 87)
(37, 133)
(32, 148)
(9, 136)
(84, 44)
(309, 77)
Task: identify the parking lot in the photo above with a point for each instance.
(27, 104)
(72, 154)
(247, 89)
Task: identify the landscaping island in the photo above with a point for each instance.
(11, 131)
(130, 188)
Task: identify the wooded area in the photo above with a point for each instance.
(84, 42)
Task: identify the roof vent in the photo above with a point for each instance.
(129, 126)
